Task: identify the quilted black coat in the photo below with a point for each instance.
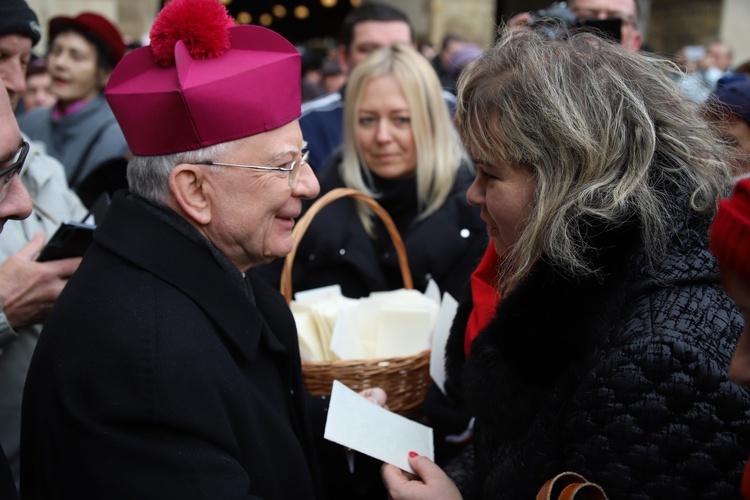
(622, 378)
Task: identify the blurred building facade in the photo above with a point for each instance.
(667, 25)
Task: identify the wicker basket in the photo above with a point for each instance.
(405, 379)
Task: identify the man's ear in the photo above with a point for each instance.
(191, 192)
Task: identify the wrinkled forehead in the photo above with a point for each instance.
(381, 33)
(73, 38)
(623, 6)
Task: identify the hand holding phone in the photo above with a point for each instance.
(73, 238)
(70, 240)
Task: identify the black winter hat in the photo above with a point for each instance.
(16, 18)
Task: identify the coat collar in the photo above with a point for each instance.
(546, 328)
(188, 262)
(542, 329)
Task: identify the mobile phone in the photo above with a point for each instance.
(70, 240)
(73, 238)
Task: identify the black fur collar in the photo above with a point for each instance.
(543, 329)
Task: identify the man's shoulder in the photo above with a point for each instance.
(325, 103)
(450, 100)
(449, 97)
(99, 112)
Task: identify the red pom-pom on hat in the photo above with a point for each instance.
(202, 25)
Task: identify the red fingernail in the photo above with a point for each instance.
(413, 454)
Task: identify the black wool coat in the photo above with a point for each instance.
(622, 378)
(445, 246)
(161, 374)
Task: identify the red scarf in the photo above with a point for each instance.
(745, 488)
(484, 294)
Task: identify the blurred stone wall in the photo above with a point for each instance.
(432, 19)
(667, 25)
(133, 17)
(734, 20)
(676, 23)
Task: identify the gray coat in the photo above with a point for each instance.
(81, 141)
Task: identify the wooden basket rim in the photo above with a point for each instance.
(341, 363)
(304, 223)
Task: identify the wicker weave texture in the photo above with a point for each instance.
(405, 379)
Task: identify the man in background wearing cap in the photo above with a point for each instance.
(168, 369)
(80, 130)
(364, 30)
(730, 243)
(28, 289)
(732, 118)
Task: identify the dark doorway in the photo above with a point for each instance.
(508, 8)
(298, 21)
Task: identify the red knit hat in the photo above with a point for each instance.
(94, 25)
(730, 232)
(204, 81)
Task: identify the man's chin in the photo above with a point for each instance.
(280, 252)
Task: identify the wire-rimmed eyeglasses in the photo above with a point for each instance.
(11, 171)
(293, 168)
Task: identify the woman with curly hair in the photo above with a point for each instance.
(606, 346)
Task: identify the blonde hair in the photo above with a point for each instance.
(439, 151)
(606, 134)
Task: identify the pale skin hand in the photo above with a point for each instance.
(431, 484)
(29, 288)
(375, 395)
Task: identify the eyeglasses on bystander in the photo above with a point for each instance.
(8, 173)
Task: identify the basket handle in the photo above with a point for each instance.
(304, 222)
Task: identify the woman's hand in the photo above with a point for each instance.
(431, 484)
(375, 395)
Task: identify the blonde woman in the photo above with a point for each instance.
(401, 148)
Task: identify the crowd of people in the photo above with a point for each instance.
(586, 204)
